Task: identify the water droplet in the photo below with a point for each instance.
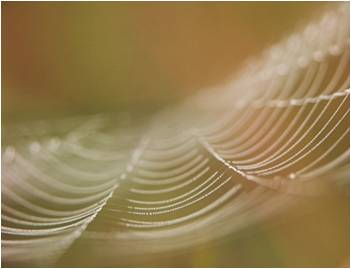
(34, 147)
(335, 50)
(129, 168)
(292, 176)
(54, 144)
(318, 56)
(9, 154)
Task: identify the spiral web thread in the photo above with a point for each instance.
(226, 158)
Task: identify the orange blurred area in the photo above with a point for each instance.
(64, 58)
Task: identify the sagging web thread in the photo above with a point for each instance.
(223, 160)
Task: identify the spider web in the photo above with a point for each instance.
(225, 159)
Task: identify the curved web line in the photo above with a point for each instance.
(282, 123)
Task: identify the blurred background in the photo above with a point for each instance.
(78, 57)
